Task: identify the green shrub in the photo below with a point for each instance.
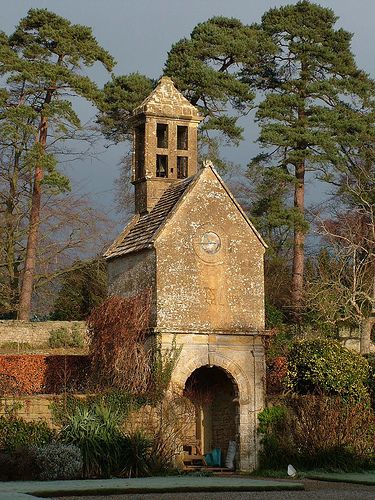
(119, 401)
(137, 454)
(7, 467)
(280, 343)
(12, 346)
(271, 417)
(324, 366)
(46, 463)
(274, 316)
(95, 429)
(20, 464)
(77, 339)
(62, 337)
(15, 432)
(58, 461)
(277, 446)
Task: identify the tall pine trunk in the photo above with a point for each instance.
(34, 223)
(10, 239)
(299, 243)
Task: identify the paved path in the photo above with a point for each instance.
(105, 489)
(314, 490)
(20, 490)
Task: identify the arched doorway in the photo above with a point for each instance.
(215, 396)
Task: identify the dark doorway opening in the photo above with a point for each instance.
(215, 396)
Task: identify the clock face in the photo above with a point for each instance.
(210, 242)
(208, 245)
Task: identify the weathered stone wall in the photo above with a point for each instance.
(224, 421)
(31, 408)
(351, 338)
(35, 333)
(133, 274)
(173, 412)
(199, 291)
(217, 408)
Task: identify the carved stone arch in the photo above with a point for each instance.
(231, 368)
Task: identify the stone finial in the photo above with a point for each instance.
(208, 163)
(165, 79)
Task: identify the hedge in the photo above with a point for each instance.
(324, 366)
(41, 374)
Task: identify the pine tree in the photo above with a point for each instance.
(311, 88)
(42, 61)
(206, 68)
(82, 289)
(121, 96)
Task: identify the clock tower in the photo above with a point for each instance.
(191, 246)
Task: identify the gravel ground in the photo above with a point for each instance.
(313, 489)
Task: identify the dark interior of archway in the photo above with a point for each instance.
(213, 393)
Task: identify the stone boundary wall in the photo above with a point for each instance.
(33, 408)
(148, 418)
(351, 338)
(37, 332)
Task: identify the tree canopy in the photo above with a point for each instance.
(42, 64)
(314, 95)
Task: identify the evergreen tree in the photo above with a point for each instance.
(206, 68)
(82, 289)
(121, 96)
(42, 61)
(313, 92)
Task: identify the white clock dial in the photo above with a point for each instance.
(210, 242)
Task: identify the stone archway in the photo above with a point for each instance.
(242, 360)
(233, 370)
(216, 398)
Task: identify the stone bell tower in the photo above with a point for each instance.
(193, 249)
(165, 143)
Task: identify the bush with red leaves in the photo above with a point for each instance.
(41, 374)
(277, 368)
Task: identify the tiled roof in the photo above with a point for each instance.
(166, 100)
(138, 234)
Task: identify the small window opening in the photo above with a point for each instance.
(182, 137)
(162, 135)
(161, 166)
(182, 167)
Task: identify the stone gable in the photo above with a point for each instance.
(205, 289)
(192, 245)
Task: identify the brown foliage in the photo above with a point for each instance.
(118, 330)
(170, 423)
(321, 423)
(38, 374)
(277, 369)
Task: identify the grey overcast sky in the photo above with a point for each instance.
(139, 33)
